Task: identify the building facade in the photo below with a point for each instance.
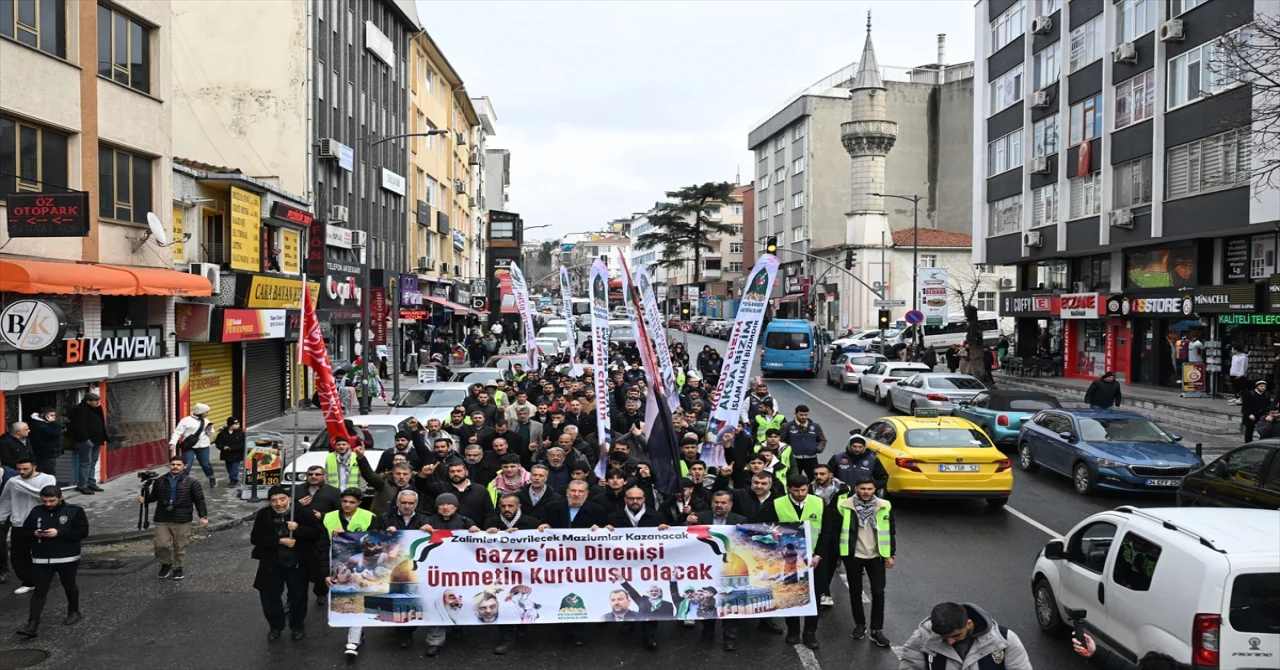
(720, 274)
(1118, 161)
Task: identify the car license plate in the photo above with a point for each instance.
(1164, 482)
(957, 468)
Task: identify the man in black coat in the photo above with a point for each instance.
(286, 553)
(46, 440)
(317, 497)
(406, 515)
(509, 516)
(88, 428)
(15, 445)
(1253, 407)
(176, 497)
(574, 510)
(750, 502)
(537, 494)
(721, 513)
(418, 455)
(58, 529)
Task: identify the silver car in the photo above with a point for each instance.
(849, 367)
(933, 390)
(433, 400)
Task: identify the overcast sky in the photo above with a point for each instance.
(606, 105)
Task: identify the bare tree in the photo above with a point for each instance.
(1251, 56)
(965, 282)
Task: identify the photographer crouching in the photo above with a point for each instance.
(176, 495)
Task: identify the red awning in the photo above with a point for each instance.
(38, 276)
(446, 304)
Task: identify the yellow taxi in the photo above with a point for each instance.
(931, 456)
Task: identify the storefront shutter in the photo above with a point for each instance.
(264, 381)
(212, 381)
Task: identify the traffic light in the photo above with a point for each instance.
(685, 310)
(884, 319)
(771, 245)
(812, 310)
(850, 258)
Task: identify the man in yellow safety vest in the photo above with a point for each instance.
(796, 507)
(865, 528)
(340, 465)
(768, 418)
(350, 518)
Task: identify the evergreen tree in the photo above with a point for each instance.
(686, 224)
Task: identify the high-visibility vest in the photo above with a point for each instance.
(884, 543)
(359, 521)
(499, 398)
(764, 423)
(331, 470)
(812, 513)
(784, 460)
(493, 491)
(680, 382)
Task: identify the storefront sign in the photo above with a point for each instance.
(263, 292)
(280, 210)
(378, 315)
(440, 291)
(179, 230)
(1026, 304)
(1193, 377)
(246, 220)
(93, 350)
(346, 156)
(315, 247)
(48, 214)
(1219, 299)
(410, 295)
(1262, 256)
(392, 182)
(1235, 257)
(1122, 305)
(379, 44)
(290, 262)
(933, 295)
(413, 315)
(248, 325)
(1080, 306)
(424, 214)
(338, 237)
(793, 285)
(341, 286)
(459, 240)
(32, 325)
(191, 321)
(1249, 319)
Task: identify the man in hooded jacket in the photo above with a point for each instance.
(966, 636)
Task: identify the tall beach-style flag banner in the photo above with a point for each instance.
(599, 292)
(455, 578)
(521, 291)
(659, 429)
(656, 330)
(726, 400)
(312, 353)
(570, 327)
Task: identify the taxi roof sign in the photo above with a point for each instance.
(925, 413)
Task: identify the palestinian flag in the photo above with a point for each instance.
(426, 545)
(717, 540)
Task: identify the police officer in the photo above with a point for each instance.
(856, 462)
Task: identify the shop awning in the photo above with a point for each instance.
(161, 281)
(31, 276)
(789, 298)
(459, 309)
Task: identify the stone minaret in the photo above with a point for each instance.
(868, 139)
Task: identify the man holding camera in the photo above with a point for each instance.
(175, 495)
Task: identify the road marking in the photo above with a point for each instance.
(807, 660)
(1035, 524)
(866, 597)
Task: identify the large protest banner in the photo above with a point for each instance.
(740, 353)
(459, 578)
(657, 331)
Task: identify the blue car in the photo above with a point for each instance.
(1000, 414)
(1120, 451)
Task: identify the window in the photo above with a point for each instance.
(1044, 206)
(797, 132)
(1086, 196)
(797, 234)
(735, 247)
(1133, 183)
(1200, 72)
(1005, 216)
(779, 142)
(1005, 153)
(41, 24)
(1253, 602)
(779, 175)
(1047, 7)
(1134, 19)
(797, 199)
(763, 213)
(763, 183)
(1089, 547)
(735, 266)
(986, 301)
(124, 185)
(1213, 163)
(432, 187)
(124, 50)
(1136, 562)
(736, 210)
(1047, 68)
(1007, 27)
(32, 158)
(1045, 142)
(430, 79)
(1086, 44)
(1136, 99)
(797, 165)
(1086, 120)
(711, 264)
(928, 260)
(1179, 6)
(351, 98)
(1006, 89)
(779, 206)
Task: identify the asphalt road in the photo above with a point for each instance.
(947, 550)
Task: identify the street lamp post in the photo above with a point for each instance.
(915, 252)
(366, 400)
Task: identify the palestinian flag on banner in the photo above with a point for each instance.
(717, 540)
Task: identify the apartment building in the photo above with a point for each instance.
(1118, 159)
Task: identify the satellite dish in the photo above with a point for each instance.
(157, 229)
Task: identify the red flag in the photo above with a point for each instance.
(312, 354)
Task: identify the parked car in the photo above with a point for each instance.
(1199, 585)
(847, 368)
(875, 380)
(674, 322)
(859, 339)
(433, 400)
(477, 375)
(1248, 476)
(719, 329)
(1001, 413)
(1104, 449)
(933, 390)
(383, 428)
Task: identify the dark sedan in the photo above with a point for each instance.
(1248, 476)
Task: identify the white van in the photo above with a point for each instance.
(953, 331)
(1201, 585)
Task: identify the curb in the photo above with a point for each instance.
(132, 535)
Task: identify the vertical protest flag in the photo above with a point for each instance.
(726, 400)
(312, 353)
(599, 292)
(656, 330)
(659, 428)
(570, 327)
(521, 291)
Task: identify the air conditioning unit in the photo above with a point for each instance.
(1040, 165)
(1172, 30)
(462, 138)
(430, 264)
(1040, 99)
(1033, 239)
(422, 263)
(338, 214)
(474, 158)
(209, 271)
(1125, 53)
(1006, 282)
(459, 186)
(1121, 218)
(1041, 25)
(359, 239)
(1080, 287)
(329, 148)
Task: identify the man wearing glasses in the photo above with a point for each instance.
(317, 497)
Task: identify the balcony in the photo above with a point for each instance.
(868, 138)
(711, 274)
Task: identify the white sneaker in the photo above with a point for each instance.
(827, 601)
(353, 649)
(22, 590)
